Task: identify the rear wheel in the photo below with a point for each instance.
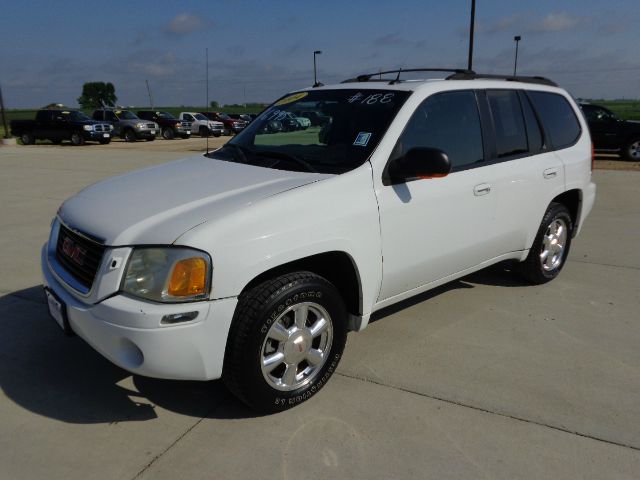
(286, 340)
(77, 138)
(550, 248)
(27, 138)
(631, 150)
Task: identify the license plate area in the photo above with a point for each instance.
(58, 311)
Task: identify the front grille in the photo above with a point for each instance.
(151, 125)
(101, 128)
(81, 257)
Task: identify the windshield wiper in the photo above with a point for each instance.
(287, 157)
(242, 155)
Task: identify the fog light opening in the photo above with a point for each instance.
(178, 318)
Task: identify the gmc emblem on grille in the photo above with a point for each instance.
(73, 251)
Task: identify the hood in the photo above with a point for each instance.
(158, 204)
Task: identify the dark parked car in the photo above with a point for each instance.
(127, 125)
(611, 134)
(170, 126)
(58, 125)
(231, 125)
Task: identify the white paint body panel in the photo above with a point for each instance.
(402, 239)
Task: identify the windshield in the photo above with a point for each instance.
(75, 116)
(126, 115)
(224, 116)
(342, 129)
(200, 116)
(165, 115)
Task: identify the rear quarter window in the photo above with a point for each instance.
(559, 120)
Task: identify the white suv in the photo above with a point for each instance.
(251, 263)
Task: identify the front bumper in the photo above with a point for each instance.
(128, 332)
(96, 136)
(146, 134)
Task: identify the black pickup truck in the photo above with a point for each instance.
(59, 125)
(611, 134)
(170, 126)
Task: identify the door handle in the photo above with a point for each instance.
(550, 173)
(481, 189)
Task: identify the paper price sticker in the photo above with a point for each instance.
(292, 98)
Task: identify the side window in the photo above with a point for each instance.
(448, 121)
(534, 134)
(511, 136)
(189, 118)
(558, 118)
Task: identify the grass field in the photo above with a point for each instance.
(625, 109)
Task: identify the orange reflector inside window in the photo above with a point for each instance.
(189, 277)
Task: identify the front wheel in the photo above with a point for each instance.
(168, 133)
(286, 340)
(77, 138)
(129, 136)
(105, 141)
(550, 248)
(27, 138)
(631, 150)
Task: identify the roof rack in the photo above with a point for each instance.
(367, 77)
(456, 74)
(468, 75)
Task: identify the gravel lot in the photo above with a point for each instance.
(482, 378)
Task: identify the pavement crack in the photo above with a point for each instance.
(491, 412)
(627, 267)
(175, 442)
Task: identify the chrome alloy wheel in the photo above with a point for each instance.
(553, 245)
(296, 346)
(634, 150)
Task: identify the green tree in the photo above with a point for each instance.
(97, 95)
(215, 105)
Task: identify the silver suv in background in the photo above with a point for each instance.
(127, 125)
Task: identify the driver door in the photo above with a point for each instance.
(437, 227)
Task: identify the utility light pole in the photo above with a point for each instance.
(206, 55)
(315, 75)
(517, 39)
(471, 30)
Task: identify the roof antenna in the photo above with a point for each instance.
(397, 80)
(206, 53)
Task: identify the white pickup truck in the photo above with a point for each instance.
(202, 125)
(253, 262)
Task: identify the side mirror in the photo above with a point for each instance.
(418, 163)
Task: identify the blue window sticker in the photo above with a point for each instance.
(362, 139)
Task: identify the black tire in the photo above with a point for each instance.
(27, 138)
(151, 139)
(168, 133)
(203, 132)
(539, 268)
(106, 141)
(631, 150)
(216, 134)
(77, 138)
(129, 135)
(258, 311)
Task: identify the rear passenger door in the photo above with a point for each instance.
(528, 174)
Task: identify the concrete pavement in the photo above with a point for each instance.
(482, 378)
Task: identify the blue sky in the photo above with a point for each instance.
(261, 49)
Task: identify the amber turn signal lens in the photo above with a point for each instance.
(189, 277)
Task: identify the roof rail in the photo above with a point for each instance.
(369, 76)
(468, 75)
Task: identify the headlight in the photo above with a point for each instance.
(111, 128)
(168, 274)
(178, 125)
(140, 125)
(88, 128)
